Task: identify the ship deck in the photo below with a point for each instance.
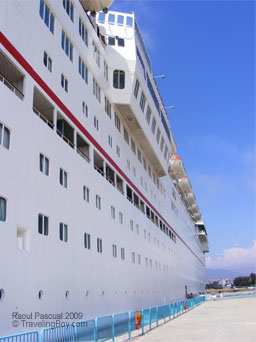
(222, 320)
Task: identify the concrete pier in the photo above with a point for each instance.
(214, 321)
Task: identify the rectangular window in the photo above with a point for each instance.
(144, 164)
(47, 61)
(128, 164)
(96, 90)
(85, 109)
(63, 178)
(107, 107)
(139, 155)
(133, 257)
(83, 70)
(133, 146)
(137, 229)
(96, 123)
(4, 136)
(131, 225)
(113, 212)
(98, 202)
(149, 171)
(118, 150)
(46, 15)
(99, 245)
(83, 32)
(63, 232)
(122, 253)
(44, 164)
(69, 7)
(142, 101)
(153, 126)
(67, 46)
(139, 259)
(134, 171)
(2, 209)
(96, 54)
(86, 193)
(148, 114)
(43, 224)
(126, 136)
(162, 144)
(165, 152)
(110, 141)
(105, 71)
(118, 79)
(136, 88)
(64, 83)
(87, 241)
(114, 251)
(121, 217)
(158, 135)
(117, 122)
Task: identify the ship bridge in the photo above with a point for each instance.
(134, 92)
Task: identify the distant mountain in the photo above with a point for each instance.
(213, 274)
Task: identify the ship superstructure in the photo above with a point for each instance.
(96, 212)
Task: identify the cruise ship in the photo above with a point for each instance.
(97, 214)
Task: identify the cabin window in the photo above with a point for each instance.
(83, 32)
(46, 15)
(2, 209)
(4, 136)
(63, 178)
(114, 251)
(83, 70)
(86, 193)
(63, 232)
(43, 224)
(69, 7)
(136, 88)
(119, 79)
(120, 42)
(87, 241)
(99, 245)
(44, 164)
(142, 101)
(67, 46)
(111, 41)
(47, 62)
(122, 253)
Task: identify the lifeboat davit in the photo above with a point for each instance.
(184, 185)
(99, 5)
(189, 198)
(176, 167)
(193, 208)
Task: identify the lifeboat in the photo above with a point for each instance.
(176, 168)
(189, 198)
(184, 185)
(96, 6)
(193, 208)
(196, 216)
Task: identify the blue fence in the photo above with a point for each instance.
(108, 327)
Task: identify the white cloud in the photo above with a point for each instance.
(234, 257)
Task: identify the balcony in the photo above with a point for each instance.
(10, 75)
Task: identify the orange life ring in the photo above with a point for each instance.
(138, 319)
(185, 305)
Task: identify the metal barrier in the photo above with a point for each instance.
(32, 336)
(108, 327)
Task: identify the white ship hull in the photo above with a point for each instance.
(73, 278)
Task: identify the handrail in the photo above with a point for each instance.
(110, 180)
(43, 117)
(83, 155)
(13, 88)
(99, 170)
(65, 138)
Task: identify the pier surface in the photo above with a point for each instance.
(214, 321)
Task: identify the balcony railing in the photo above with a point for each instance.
(83, 155)
(65, 138)
(43, 117)
(8, 84)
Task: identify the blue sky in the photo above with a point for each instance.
(206, 49)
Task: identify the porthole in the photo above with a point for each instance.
(1, 295)
(67, 294)
(40, 294)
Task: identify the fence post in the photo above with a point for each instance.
(143, 321)
(129, 324)
(149, 318)
(96, 330)
(113, 328)
(75, 331)
(157, 316)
